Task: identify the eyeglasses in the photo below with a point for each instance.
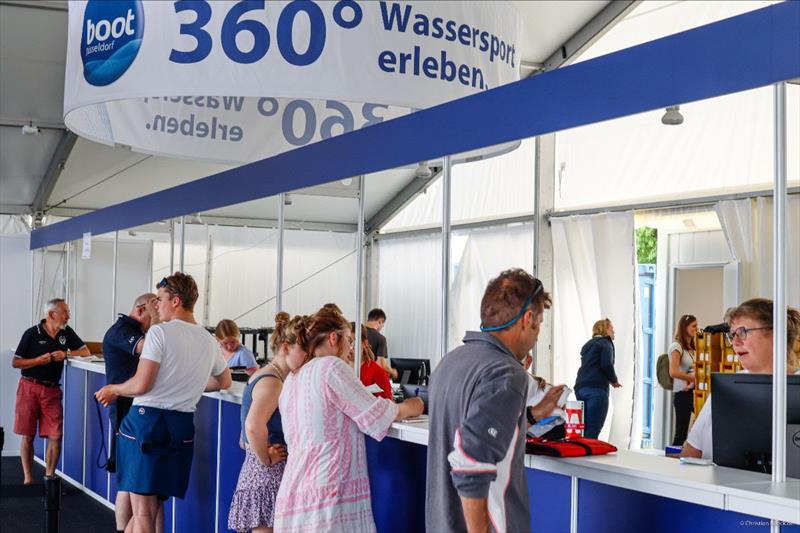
(742, 332)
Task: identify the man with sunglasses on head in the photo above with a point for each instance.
(122, 345)
(179, 361)
(40, 356)
(476, 446)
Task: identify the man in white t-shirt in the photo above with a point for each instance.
(179, 361)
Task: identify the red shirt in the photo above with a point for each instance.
(371, 372)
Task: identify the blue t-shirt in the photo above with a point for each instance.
(119, 349)
(242, 357)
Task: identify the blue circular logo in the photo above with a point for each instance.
(110, 39)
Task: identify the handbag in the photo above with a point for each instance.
(572, 447)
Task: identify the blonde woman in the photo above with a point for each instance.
(253, 504)
(595, 375)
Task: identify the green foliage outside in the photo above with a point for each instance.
(646, 239)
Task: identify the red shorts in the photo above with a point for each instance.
(38, 403)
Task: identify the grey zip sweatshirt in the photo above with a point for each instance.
(476, 444)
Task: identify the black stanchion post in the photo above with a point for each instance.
(52, 503)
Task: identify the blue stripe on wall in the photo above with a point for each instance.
(736, 54)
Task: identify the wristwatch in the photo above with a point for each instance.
(529, 415)
(69, 352)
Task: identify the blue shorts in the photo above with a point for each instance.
(154, 451)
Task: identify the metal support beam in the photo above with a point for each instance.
(54, 168)
(779, 347)
(589, 33)
(114, 262)
(182, 250)
(9, 122)
(430, 230)
(446, 175)
(359, 275)
(171, 246)
(689, 202)
(279, 266)
(401, 199)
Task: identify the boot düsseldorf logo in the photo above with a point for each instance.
(110, 40)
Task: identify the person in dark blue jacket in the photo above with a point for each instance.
(595, 375)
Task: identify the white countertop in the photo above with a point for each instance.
(645, 471)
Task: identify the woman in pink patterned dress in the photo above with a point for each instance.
(325, 408)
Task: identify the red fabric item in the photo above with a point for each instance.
(38, 403)
(371, 372)
(573, 447)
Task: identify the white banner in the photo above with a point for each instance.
(283, 74)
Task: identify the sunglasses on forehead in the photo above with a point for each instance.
(164, 284)
(537, 288)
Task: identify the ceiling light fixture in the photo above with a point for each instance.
(673, 116)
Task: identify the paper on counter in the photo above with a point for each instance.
(374, 389)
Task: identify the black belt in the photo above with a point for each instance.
(40, 382)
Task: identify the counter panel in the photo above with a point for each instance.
(231, 457)
(96, 478)
(197, 510)
(72, 445)
(648, 512)
(550, 496)
(397, 473)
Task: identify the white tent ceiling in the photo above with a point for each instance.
(93, 176)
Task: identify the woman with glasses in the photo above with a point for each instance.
(751, 337)
(681, 368)
(325, 409)
(253, 505)
(595, 375)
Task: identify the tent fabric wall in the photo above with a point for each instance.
(409, 291)
(595, 270)
(487, 252)
(747, 225)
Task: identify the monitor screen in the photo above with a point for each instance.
(411, 371)
(741, 415)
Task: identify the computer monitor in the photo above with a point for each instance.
(410, 391)
(741, 415)
(411, 371)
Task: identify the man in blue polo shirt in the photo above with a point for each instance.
(122, 345)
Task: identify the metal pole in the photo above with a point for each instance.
(114, 279)
(446, 172)
(779, 287)
(171, 246)
(67, 285)
(182, 251)
(536, 217)
(359, 275)
(279, 267)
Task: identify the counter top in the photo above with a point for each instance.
(645, 471)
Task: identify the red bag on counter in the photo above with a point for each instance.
(573, 447)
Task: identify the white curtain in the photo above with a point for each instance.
(487, 252)
(409, 291)
(595, 277)
(747, 225)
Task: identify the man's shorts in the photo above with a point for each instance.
(154, 451)
(37, 403)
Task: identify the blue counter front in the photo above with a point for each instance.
(626, 492)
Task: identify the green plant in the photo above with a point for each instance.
(646, 249)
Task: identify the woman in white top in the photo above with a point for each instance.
(751, 337)
(681, 364)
